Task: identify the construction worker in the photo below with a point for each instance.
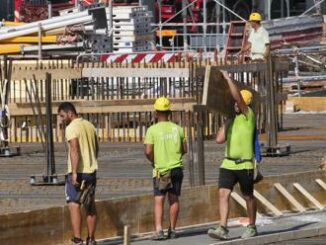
(258, 43)
(238, 165)
(82, 166)
(164, 147)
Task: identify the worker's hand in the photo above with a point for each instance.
(74, 179)
(225, 74)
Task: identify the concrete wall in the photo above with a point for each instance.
(198, 205)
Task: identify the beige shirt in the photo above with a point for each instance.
(85, 132)
(258, 39)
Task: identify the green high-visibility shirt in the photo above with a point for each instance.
(239, 145)
(167, 139)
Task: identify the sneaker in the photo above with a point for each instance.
(172, 234)
(219, 233)
(76, 241)
(250, 231)
(90, 241)
(157, 236)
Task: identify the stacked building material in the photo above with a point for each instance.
(58, 33)
(295, 30)
(131, 29)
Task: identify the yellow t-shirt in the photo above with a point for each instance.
(86, 134)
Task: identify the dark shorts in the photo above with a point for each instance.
(228, 179)
(71, 191)
(176, 179)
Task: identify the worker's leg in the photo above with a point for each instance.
(227, 180)
(224, 196)
(246, 181)
(158, 212)
(75, 218)
(174, 193)
(91, 220)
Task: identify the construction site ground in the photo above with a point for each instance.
(123, 169)
(287, 230)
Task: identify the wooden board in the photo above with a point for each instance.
(307, 195)
(289, 197)
(136, 72)
(321, 183)
(216, 93)
(242, 202)
(39, 74)
(267, 203)
(106, 106)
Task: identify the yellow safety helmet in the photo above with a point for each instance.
(255, 17)
(162, 104)
(246, 96)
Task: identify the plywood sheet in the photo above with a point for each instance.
(216, 93)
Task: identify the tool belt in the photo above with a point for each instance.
(86, 194)
(163, 180)
(238, 160)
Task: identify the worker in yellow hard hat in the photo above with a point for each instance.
(165, 145)
(238, 164)
(258, 43)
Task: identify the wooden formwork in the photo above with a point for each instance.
(118, 98)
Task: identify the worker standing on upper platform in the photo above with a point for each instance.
(258, 43)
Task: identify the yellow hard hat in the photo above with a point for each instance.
(162, 104)
(246, 96)
(255, 17)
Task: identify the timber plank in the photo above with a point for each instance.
(289, 197)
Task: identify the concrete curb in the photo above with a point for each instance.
(277, 237)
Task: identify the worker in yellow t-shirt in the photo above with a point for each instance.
(82, 166)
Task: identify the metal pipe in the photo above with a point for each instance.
(230, 10)
(204, 24)
(303, 78)
(312, 7)
(47, 27)
(110, 31)
(49, 129)
(51, 47)
(184, 17)
(223, 16)
(160, 22)
(39, 41)
(66, 17)
(49, 10)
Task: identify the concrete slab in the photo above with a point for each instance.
(271, 230)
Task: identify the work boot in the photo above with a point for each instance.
(250, 231)
(172, 234)
(219, 233)
(158, 236)
(76, 241)
(90, 241)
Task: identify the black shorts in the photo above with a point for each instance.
(228, 179)
(176, 179)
